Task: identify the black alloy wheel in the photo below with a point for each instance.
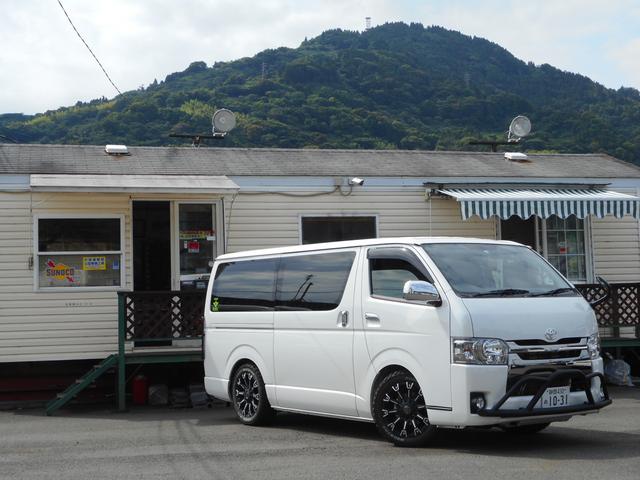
(400, 411)
(249, 396)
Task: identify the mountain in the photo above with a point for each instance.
(393, 86)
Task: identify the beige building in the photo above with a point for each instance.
(77, 224)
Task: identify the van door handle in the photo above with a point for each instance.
(372, 319)
(343, 318)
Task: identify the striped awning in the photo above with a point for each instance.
(525, 202)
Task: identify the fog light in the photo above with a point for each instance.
(477, 402)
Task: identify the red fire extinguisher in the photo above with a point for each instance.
(140, 387)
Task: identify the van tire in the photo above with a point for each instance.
(525, 429)
(249, 397)
(409, 427)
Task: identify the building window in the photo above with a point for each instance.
(563, 244)
(334, 229)
(79, 252)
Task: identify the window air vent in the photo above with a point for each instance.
(116, 150)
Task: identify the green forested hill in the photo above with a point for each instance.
(394, 86)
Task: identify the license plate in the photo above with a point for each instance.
(554, 397)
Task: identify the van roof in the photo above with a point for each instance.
(358, 243)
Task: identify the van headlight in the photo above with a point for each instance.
(480, 351)
(593, 345)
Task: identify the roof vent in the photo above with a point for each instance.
(516, 157)
(116, 149)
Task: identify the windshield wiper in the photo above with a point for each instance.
(504, 291)
(551, 293)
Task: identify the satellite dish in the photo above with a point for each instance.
(223, 121)
(520, 127)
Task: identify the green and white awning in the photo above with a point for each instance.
(525, 202)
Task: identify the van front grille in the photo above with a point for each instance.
(549, 355)
(535, 341)
(538, 350)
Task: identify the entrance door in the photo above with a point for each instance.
(151, 246)
(197, 245)
(152, 272)
(518, 230)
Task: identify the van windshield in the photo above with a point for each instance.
(476, 270)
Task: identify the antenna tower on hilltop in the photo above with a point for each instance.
(367, 22)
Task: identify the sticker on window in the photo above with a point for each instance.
(60, 271)
(195, 234)
(94, 263)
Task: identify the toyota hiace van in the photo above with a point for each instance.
(410, 333)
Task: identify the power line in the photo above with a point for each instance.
(8, 138)
(88, 48)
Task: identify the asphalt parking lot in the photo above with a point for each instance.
(161, 443)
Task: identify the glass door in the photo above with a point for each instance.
(197, 243)
(565, 246)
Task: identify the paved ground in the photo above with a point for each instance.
(149, 443)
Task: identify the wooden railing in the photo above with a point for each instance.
(622, 309)
(156, 317)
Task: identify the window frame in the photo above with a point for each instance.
(375, 216)
(283, 257)
(279, 259)
(218, 212)
(63, 216)
(425, 270)
(276, 259)
(542, 249)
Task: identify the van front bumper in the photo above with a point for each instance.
(512, 405)
(495, 382)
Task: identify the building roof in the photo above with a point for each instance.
(23, 159)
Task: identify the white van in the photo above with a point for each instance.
(409, 333)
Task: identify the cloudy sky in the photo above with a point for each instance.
(44, 65)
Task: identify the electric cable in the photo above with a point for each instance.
(8, 138)
(88, 48)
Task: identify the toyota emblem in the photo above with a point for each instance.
(551, 334)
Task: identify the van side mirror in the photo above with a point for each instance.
(421, 291)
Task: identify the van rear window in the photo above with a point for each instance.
(313, 282)
(244, 286)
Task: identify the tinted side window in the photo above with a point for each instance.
(388, 276)
(313, 282)
(244, 286)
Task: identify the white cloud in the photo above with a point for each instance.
(47, 66)
(569, 34)
(626, 57)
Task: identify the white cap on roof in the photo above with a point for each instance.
(116, 149)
